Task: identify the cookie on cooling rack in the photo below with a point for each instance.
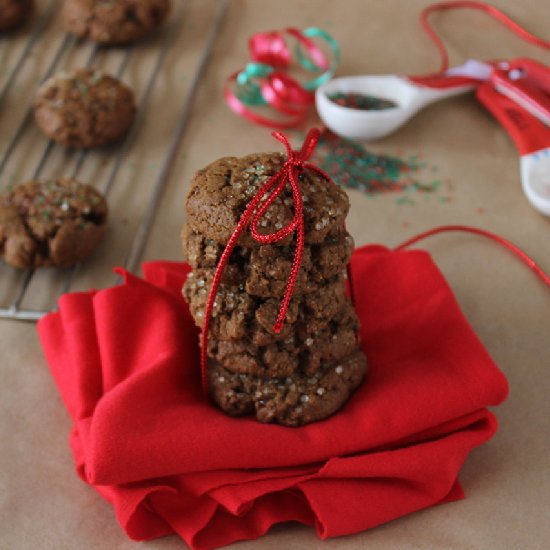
(114, 21)
(84, 108)
(51, 223)
(14, 12)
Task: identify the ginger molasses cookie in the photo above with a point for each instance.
(292, 400)
(84, 108)
(236, 312)
(51, 223)
(114, 21)
(14, 12)
(264, 271)
(302, 355)
(220, 192)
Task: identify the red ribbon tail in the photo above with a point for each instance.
(295, 270)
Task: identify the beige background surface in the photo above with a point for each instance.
(42, 502)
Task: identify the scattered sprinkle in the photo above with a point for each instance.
(404, 200)
(353, 167)
(82, 87)
(96, 78)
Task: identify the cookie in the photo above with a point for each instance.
(289, 401)
(14, 12)
(220, 193)
(114, 21)
(84, 108)
(238, 315)
(51, 223)
(336, 340)
(264, 270)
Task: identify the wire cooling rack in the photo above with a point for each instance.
(28, 295)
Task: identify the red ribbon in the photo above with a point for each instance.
(295, 164)
(285, 94)
(278, 90)
(527, 260)
(517, 29)
(271, 48)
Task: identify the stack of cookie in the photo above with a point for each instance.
(308, 370)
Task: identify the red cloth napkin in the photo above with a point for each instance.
(125, 360)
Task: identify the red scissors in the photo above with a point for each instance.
(517, 93)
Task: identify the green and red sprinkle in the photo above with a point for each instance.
(353, 167)
(362, 102)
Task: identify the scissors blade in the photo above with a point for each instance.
(478, 70)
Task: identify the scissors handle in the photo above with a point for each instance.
(535, 72)
(526, 82)
(527, 131)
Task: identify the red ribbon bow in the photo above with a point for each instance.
(271, 48)
(295, 164)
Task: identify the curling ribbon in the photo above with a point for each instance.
(527, 260)
(264, 82)
(495, 13)
(294, 165)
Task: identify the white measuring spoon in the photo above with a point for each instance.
(408, 93)
(532, 139)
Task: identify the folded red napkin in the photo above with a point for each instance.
(126, 363)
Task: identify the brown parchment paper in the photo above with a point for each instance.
(42, 502)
